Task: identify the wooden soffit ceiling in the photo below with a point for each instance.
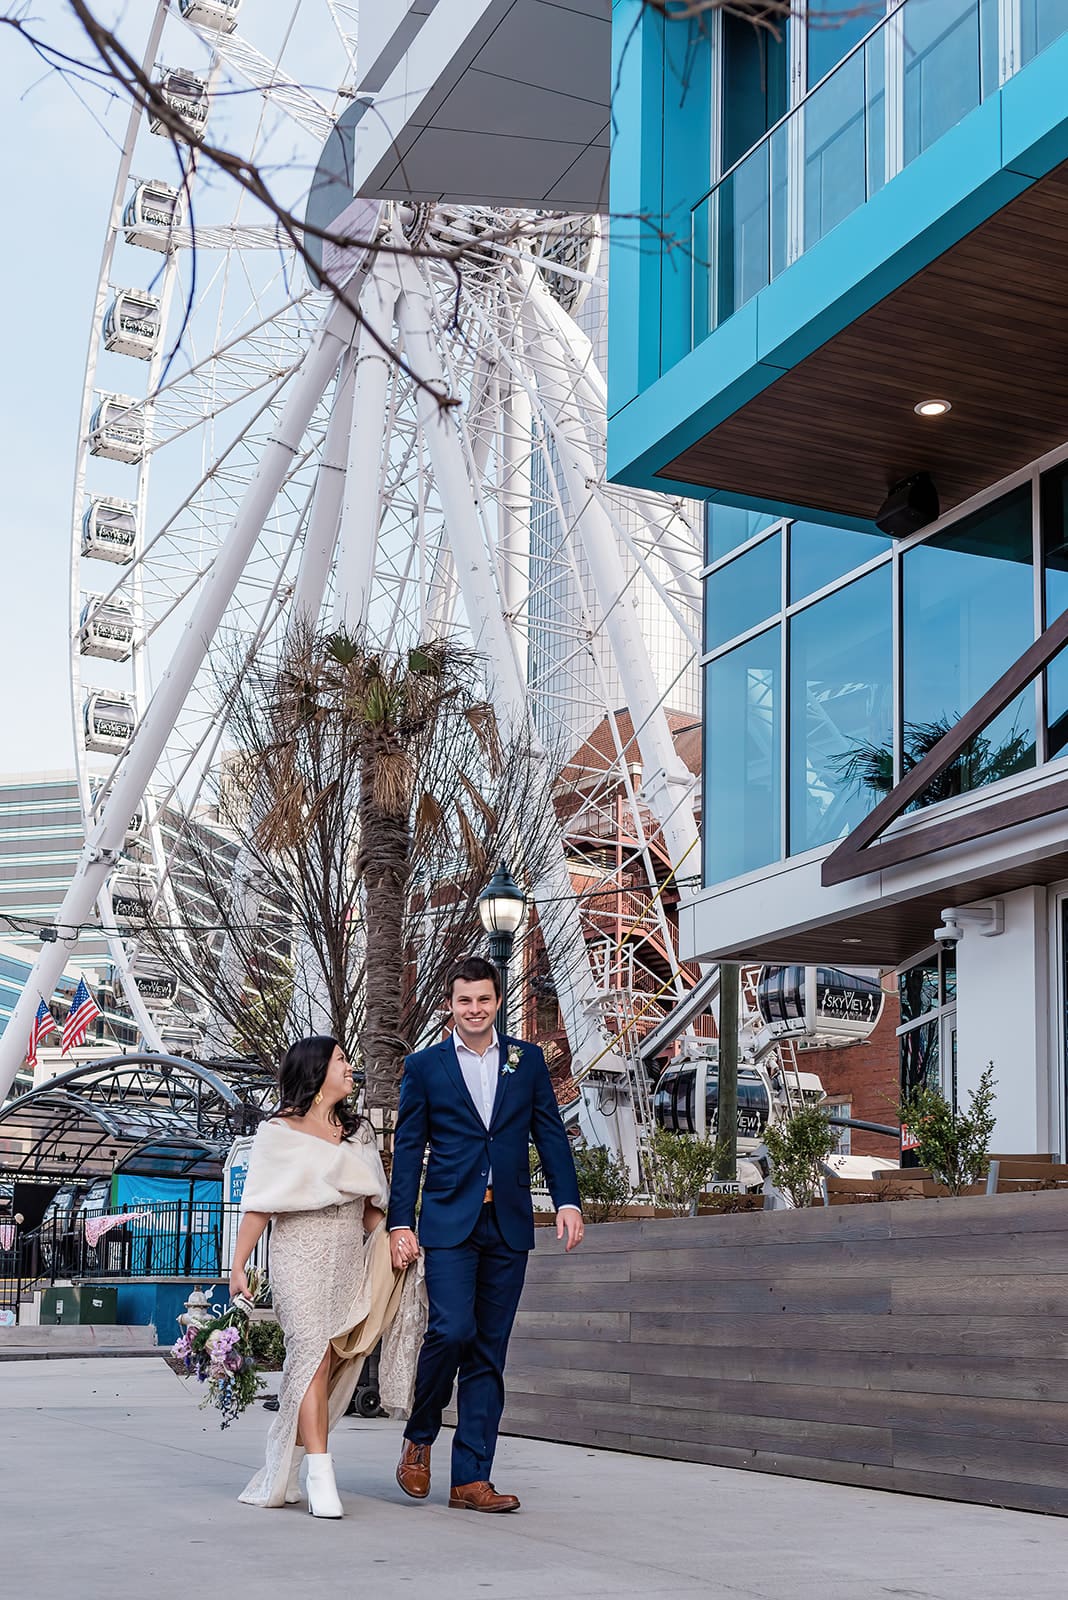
(984, 326)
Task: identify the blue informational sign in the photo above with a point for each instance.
(237, 1182)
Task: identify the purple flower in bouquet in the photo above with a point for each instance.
(182, 1349)
(220, 1356)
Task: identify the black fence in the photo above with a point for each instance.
(174, 1239)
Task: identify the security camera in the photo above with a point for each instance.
(949, 932)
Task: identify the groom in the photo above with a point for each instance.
(477, 1099)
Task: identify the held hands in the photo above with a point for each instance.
(569, 1224)
(403, 1248)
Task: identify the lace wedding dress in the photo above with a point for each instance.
(331, 1286)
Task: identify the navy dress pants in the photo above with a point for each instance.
(473, 1290)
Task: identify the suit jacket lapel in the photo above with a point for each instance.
(503, 1078)
(452, 1067)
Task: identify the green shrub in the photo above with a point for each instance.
(678, 1167)
(797, 1148)
(604, 1183)
(954, 1145)
(268, 1345)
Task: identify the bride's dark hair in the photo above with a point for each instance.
(301, 1076)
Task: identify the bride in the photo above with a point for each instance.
(315, 1172)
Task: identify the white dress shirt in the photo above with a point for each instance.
(480, 1073)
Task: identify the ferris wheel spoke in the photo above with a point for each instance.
(268, 80)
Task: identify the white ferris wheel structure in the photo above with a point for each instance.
(252, 456)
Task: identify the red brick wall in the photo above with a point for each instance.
(867, 1074)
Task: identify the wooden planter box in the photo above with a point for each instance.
(919, 1346)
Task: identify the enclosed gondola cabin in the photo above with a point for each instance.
(818, 1005)
(132, 324)
(109, 530)
(220, 15)
(133, 891)
(109, 722)
(153, 212)
(187, 95)
(107, 629)
(137, 825)
(117, 429)
(157, 987)
(686, 1099)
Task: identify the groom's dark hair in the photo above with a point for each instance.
(473, 969)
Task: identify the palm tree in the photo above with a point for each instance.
(374, 790)
(871, 766)
(407, 712)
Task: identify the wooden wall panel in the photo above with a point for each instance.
(920, 1345)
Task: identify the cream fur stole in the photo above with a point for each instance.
(293, 1171)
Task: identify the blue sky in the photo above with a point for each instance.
(58, 178)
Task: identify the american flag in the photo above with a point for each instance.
(44, 1023)
(83, 1008)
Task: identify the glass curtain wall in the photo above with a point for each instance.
(834, 661)
(815, 117)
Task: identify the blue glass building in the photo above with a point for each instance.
(838, 314)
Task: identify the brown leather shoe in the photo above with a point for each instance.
(413, 1470)
(480, 1497)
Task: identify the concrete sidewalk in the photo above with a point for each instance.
(115, 1486)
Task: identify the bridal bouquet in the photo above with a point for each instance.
(219, 1353)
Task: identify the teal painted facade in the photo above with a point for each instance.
(664, 395)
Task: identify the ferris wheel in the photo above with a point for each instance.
(251, 456)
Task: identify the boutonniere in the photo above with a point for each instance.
(511, 1060)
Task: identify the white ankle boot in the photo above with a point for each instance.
(293, 1490)
(322, 1490)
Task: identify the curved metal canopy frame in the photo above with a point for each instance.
(149, 1113)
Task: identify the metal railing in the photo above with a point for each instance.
(896, 93)
(164, 1240)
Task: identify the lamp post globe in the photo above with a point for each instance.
(502, 906)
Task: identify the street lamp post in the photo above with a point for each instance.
(502, 906)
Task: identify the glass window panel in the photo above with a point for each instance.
(841, 710)
(948, 959)
(942, 69)
(1041, 22)
(1055, 578)
(831, 31)
(754, 78)
(990, 44)
(741, 225)
(742, 764)
(819, 554)
(968, 615)
(744, 592)
(726, 527)
(835, 150)
(875, 104)
(919, 1059)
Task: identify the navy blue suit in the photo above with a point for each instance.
(476, 1254)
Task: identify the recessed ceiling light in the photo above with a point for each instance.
(852, 941)
(932, 408)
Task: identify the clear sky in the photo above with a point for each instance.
(58, 174)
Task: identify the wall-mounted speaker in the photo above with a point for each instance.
(910, 505)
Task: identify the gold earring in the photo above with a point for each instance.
(319, 1098)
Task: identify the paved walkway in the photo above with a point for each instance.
(114, 1486)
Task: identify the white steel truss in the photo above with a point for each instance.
(297, 467)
